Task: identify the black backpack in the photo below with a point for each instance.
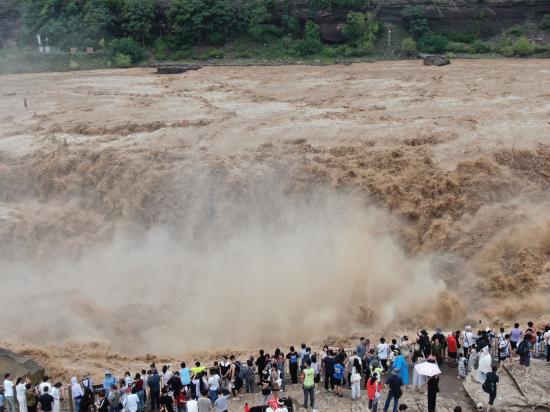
(522, 349)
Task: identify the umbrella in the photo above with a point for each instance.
(427, 369)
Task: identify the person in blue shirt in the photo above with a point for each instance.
(108, 381)
(185, 375)
(338, 377)
(154, 389)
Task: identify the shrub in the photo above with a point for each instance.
(311, 43)
(523, 47)
(329, 52)
(433, 43)
(211, 54)
(507, 50)
(479, 46)
(458, 47)
(545, 22)
(450, 55)
(122, 60)
(128, 47)
(515, 30)
(74, 65)
(408, 47)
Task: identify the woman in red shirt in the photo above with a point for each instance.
(374, 391)
(452, 349)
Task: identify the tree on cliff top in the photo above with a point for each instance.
(416, 21)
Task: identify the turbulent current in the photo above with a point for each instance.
(238, 206)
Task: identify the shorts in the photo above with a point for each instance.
(514, 345)
(525, 360)
(452, 355)
(337, 382)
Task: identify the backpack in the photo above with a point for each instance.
(523, 349)
(486, 387)
(243, 372)
(293, 358)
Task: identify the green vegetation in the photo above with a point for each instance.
(416, 21)
(127, 32)
(408, 47)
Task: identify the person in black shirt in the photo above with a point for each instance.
(490, 385)
(103, 403)
(260, 363)
(46, 401)
(329, 370)
(394, 383)
(166, 401)
(293, 359)
(433, 389)
(175, 385)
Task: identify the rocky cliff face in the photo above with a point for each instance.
(485, 17)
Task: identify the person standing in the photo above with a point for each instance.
(260, 365)
(214, 384)
(394, 384)
(546, 338)
(9, 393)
(114, 399)
(490, 385)
(20, 390)
(204, 403)
(469, 341)
(374, 391)
(56, 395)
(221, 402)
(328, 364)
(452, 349)
(166, 401)
(131, 403)
(484, 364)
(524, 352)
(154, 389)
(102, 404)
(108, 381)
(250, 378)
(515, 337)
(355, 379)
(504, 350)
(308, 382)
(383, 353)
(235, 378)
(185, 376)
(45, 384)
(361, 349)
(31, 398)
(433, 389)
(338, 377)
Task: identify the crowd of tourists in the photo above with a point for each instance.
(378, 370)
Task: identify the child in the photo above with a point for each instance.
(462, 362)
(472, 360)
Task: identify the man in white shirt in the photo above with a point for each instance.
(213, 384)
(9, 393)
(192, 405)
(469, 340)
(383, 352)
(45, 384)
(131, 403)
